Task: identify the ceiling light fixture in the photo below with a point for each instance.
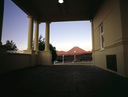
(61, 1)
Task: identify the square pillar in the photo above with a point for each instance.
(45, 57)
(93, 46)
(47, 37)
(1, 18)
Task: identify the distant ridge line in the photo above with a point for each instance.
(75, 50)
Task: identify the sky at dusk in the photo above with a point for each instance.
(63, 35)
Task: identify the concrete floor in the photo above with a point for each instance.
(63, 81)
(72, 63)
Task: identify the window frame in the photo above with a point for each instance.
(102, 43)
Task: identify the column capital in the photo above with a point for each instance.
(91, 20)
(35, 21)
(48, 22)
(29, 16)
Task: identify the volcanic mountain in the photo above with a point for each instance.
(60, 53)
(75, 50)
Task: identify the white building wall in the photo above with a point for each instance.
(109, 14)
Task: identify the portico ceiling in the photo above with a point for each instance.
(51, 10)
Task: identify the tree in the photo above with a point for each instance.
(10, 45)
(42, 47)
(41, 43)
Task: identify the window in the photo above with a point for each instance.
(102, 36)
(111, 62)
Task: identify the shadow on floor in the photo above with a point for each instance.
(63, 81)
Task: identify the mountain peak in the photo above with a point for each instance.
(77, 50)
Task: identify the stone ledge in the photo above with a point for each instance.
(29, 52)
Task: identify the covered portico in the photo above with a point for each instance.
(109, 30)
(38, 12)
(44, 57)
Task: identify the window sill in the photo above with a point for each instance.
(102, 49)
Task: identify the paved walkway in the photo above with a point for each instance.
(63, 81)
(76, 63)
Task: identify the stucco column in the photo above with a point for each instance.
(47, 36)
(45, 57)
(36, 36)
(30, 33)
(93, 47)
(1, 18)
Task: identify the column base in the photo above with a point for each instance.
(36, 51)
(44, 58)
(29, 52)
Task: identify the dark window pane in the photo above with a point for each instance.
(111, 62)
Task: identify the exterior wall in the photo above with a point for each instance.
(11, 61)
(126, 59)
(124, 21)
(108, 14)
